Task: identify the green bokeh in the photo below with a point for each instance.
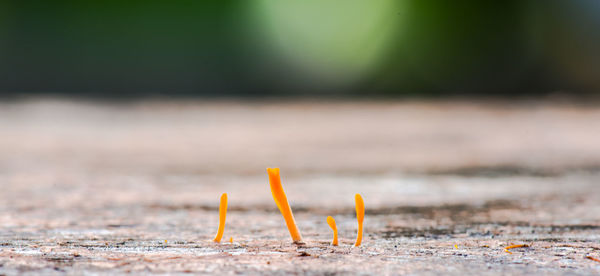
(278, 48)
(119, 46)
(337, 44)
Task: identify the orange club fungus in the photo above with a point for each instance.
(282, 204)
(360, 216)
(222, 215)
(331, 223)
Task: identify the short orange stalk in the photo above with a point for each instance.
(282, 204)
(331, 223)
(222, 215)
(360, 216)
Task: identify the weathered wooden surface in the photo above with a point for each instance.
(116, 188)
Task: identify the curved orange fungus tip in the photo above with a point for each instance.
(331, 223)
(282, 203)
(360, 216)
(222, 215)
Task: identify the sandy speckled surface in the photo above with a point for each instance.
(113, 188)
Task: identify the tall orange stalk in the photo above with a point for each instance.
(222, 215)
(360, 216)
(282, 204)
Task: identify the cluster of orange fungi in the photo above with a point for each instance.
(286, 211)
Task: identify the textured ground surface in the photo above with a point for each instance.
(118, 188)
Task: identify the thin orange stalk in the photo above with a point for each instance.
(360, 216)
(282, 204)
(222, 214)
(331, 223)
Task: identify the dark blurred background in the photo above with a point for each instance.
(315, 48)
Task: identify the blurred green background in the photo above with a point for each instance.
(315, 48)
